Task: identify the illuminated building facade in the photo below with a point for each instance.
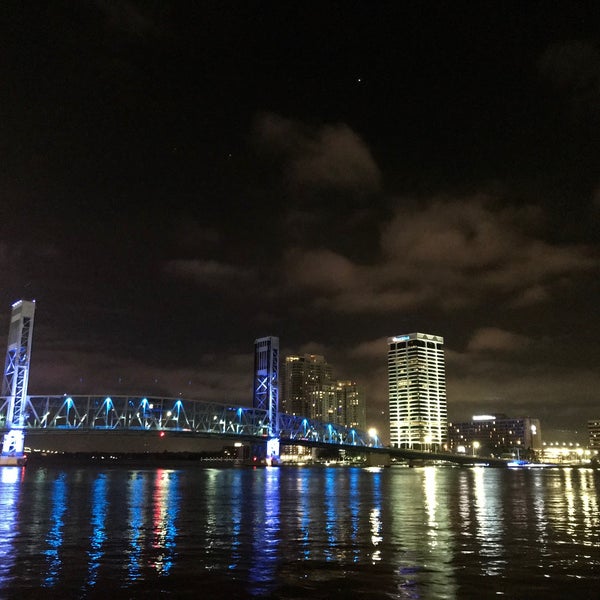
(266, 378)
(417, 391)
(308, 389)
(594, 431)
(350, 405)
(496, 435)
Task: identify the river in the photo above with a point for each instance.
(95, 531)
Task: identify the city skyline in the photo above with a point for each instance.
(179, 180)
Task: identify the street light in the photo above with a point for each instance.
(475, 446)
(373, 434)
(428, 441)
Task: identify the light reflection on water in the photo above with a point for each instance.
(54, 537)
(9, 507)
(301, 532)
(136, 501)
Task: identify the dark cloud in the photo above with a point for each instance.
(127, 17)
(574, 64)
(495, 339)
(446, 253)
(330, 156)
(573, 68)
(205, 272)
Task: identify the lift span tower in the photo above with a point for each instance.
(15, 380)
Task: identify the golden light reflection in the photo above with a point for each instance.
(589, 505)
(375, 520)
(490, 519)
(429, 485)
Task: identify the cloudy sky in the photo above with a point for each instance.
(177, 179)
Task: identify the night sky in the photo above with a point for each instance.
(179, 178)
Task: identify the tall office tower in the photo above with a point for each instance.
(350, 405)
(308, 387)
(266, 378)
(417, 391)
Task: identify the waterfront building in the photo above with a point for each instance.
(594, 431)
(568, 453)
(496, 435)
(308, 387)
(310, 390)
(417, 391)
(350, 405)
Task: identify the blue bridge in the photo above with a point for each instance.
(129, 413)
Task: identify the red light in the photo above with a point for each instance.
(162, 434)
(254, 458)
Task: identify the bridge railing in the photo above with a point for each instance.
(303, 429)
(175, 414)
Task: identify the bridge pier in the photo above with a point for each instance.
(265, 453)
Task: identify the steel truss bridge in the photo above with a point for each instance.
(133, 413)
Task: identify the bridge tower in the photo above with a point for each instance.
(16, 377)
(266, 387)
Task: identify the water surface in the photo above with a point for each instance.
(434, 532)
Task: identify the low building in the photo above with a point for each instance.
(568, 453)
(496, 435)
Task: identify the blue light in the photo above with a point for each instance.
(98, 537)
(55, 535)
(401, 338)
(137, 521)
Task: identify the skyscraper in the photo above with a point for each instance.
(309, 390)
(417, 391)
(350, 405)
(308, 387)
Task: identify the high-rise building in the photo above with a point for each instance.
(417, 391)
(350, 405)
(309, 390)
(266, 377)
(308, 387)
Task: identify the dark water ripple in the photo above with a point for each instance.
(433, 532)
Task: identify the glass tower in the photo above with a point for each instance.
(417, 391)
